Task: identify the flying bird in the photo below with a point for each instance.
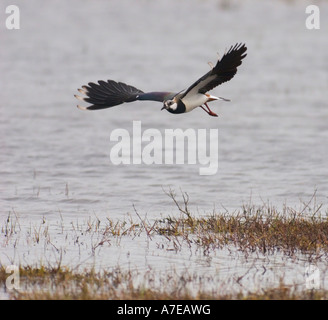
(107, 94)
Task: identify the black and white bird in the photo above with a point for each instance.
(111, 93)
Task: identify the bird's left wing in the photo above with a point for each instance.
(224, 70)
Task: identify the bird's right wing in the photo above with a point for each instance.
(111, 93)
(107, 94)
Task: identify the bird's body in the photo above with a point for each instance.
(193, 101)
(108, 94)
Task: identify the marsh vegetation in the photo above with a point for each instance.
(253, 235)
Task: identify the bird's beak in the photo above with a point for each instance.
(163, 108)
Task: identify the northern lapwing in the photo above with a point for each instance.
(111, 93)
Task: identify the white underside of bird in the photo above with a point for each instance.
(197, 100)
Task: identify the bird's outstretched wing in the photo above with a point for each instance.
(224, 70)
(108, 94)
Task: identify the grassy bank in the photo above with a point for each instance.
(253, 228)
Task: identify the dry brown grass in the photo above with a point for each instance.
(262, 229)
(63, 284)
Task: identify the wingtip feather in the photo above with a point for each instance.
(78, 97)
(82, 91)
(81, 108)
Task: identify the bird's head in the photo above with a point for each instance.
(170, 105)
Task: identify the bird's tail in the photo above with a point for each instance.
(107, 94)
(212, 98)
